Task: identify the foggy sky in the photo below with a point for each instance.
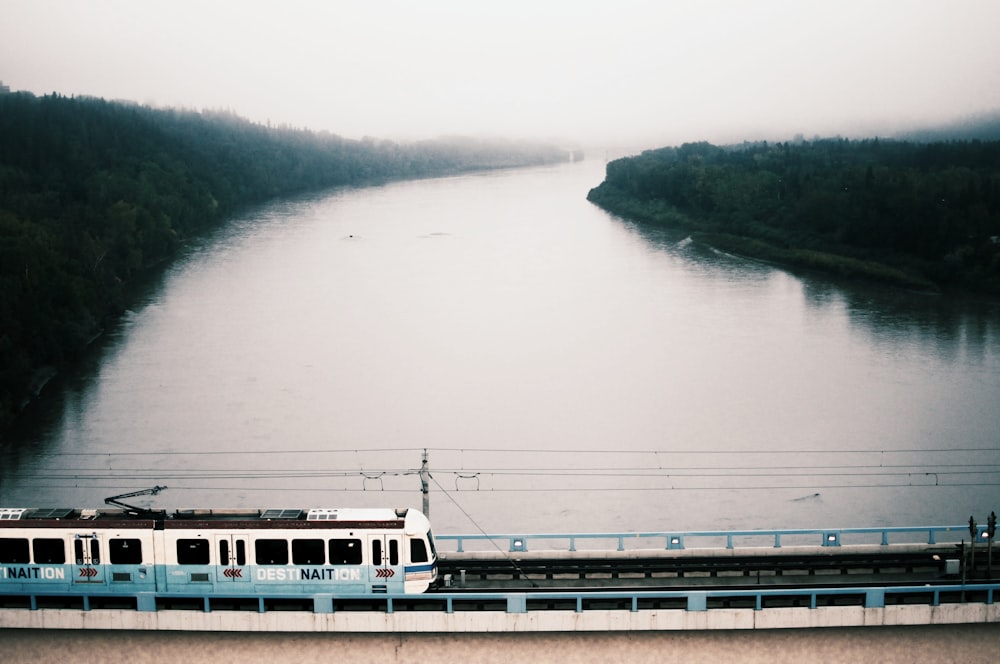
(580, 72)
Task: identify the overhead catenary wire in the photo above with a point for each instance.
(512, 450)
(965, 467)
(481, 530)
(625, 472)
(942, 479)
(694, 470)
(84, 483)
(701, 487)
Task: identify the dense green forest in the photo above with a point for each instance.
(920, 215)
(94, 193)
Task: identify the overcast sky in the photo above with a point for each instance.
(613, 72)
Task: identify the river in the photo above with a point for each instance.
(565, 370)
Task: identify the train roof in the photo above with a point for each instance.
(274, 517)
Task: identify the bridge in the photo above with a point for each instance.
(599, 582)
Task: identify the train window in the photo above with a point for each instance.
(192, 552)
(418, 551)
(271, 551)
(125, 551)
(48, 551)
(239, 558)
(376, 552)
(345, 552)
(393, 552)
(13, 550)
(307, 552)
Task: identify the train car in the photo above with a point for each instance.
(274, 552)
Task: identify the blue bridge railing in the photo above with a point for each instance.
(717, 539)
(580, 601)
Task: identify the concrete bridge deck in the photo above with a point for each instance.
(761, 607)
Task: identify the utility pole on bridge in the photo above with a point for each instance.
(424, 486)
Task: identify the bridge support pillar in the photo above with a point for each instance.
(517, 603)
(323, 603)
(145, 602)
(697, 601)
(875, 598)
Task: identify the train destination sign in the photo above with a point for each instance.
(307, 574)
(32, 573)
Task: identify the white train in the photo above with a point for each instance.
(275, 552)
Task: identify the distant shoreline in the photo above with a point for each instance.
(919, 217)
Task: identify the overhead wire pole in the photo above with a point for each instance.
(972, 544)
(424, 485)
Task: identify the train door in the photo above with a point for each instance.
(386, 567)
(87, 559)
(233, 565)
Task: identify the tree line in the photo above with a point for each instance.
(923, 215)
(93, 193)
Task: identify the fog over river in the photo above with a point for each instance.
(566, 371)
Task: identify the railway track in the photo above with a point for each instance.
(692, 572)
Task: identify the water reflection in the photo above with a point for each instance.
(954, 325)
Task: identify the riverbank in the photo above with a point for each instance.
(819, 261)
(915, 216)
(825, 262)
(94, 194)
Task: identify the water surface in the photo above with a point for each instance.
(565, 370)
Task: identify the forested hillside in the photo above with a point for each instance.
(918, 215)
(94, 192)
